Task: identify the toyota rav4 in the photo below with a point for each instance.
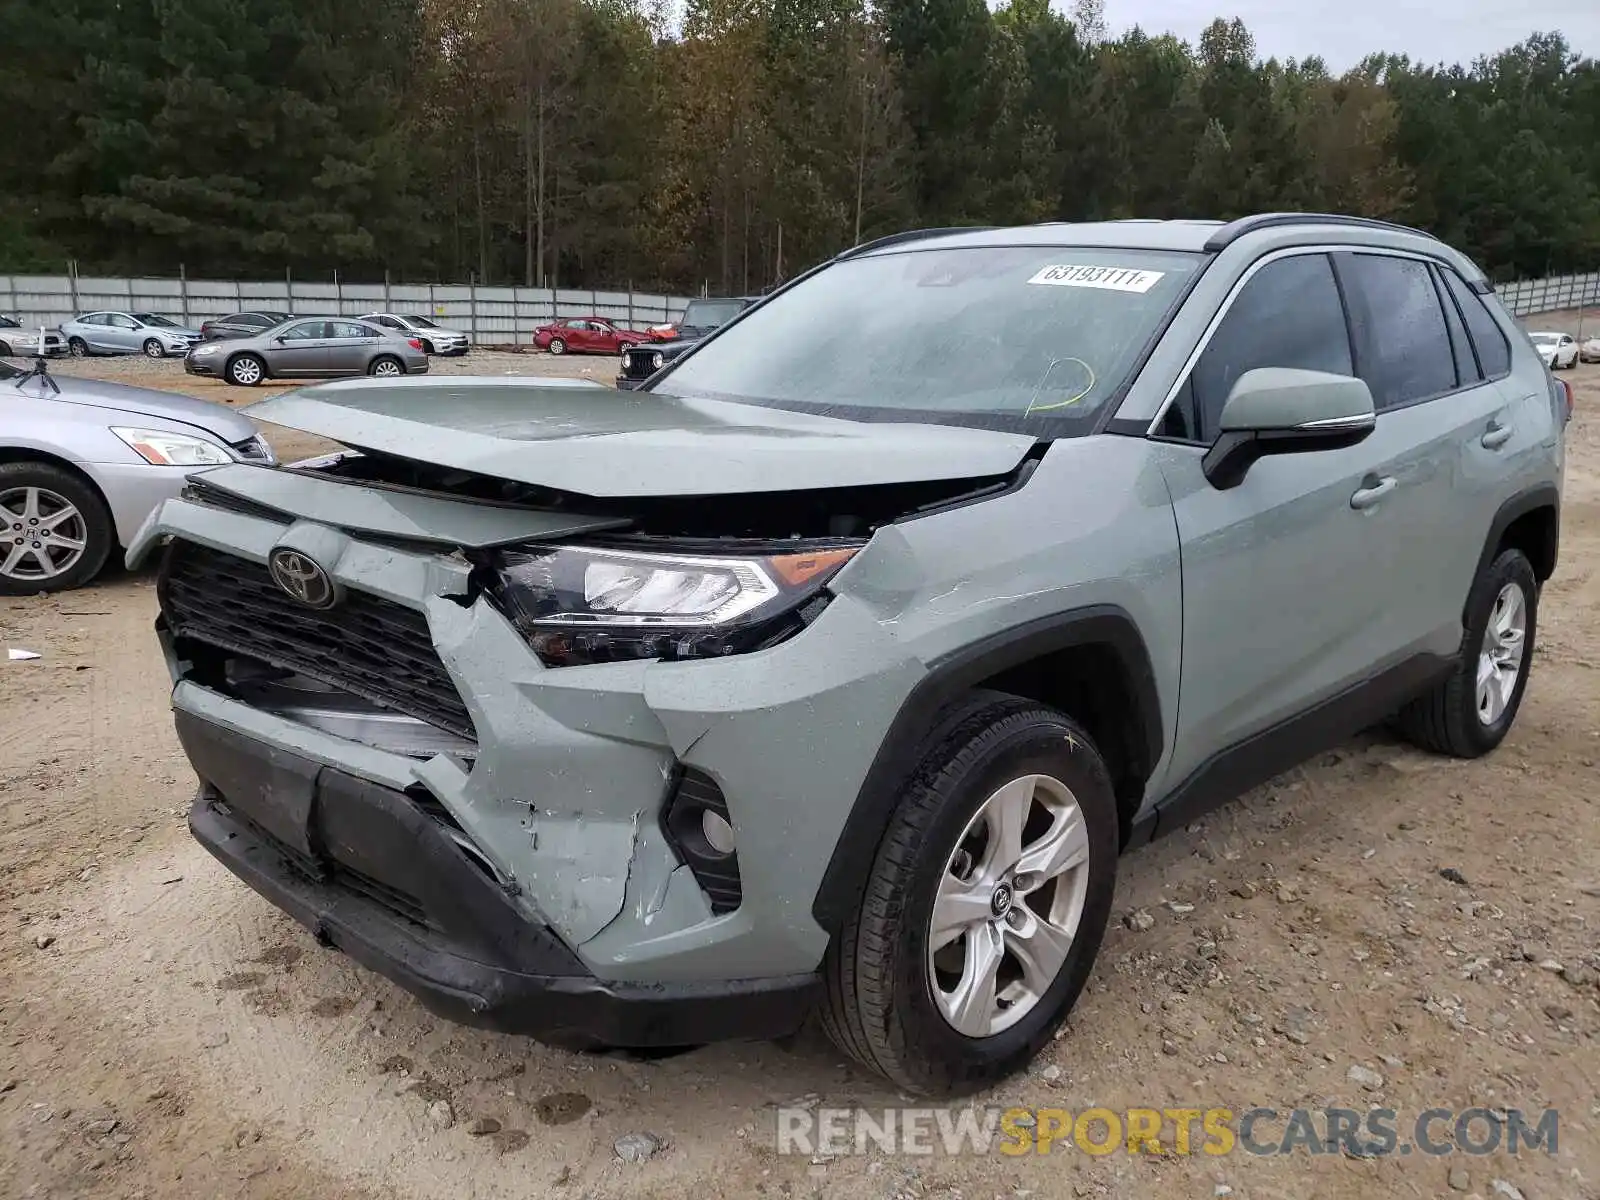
(834, 671)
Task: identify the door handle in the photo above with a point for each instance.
(1371, 493)
(1495, 436)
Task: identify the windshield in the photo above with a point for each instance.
(153, 319)
(1026, 338)
(1545, 339)
(704, 313)
(420, 322)
(8, 323)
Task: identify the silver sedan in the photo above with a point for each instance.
(309, 348)
(83, 462)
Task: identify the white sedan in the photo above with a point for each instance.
(1559, 350)
(1590, 350)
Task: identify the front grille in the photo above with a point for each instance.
(366, 645)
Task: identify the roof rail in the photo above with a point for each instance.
(910, 235)
(1234, 230)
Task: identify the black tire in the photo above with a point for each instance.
(375, 367)
(245, 370)
(99, 533)
(427, 346)
(153, 349)
(1447, 720)
(558, 346)
(879, 1006)
(77, 347)
(5, 349)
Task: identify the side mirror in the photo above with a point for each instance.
(280, 339)
(1282, 410)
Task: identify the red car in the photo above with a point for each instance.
(586, 335)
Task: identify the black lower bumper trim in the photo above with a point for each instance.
(366, 921)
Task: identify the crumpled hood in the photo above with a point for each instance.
(598, 442)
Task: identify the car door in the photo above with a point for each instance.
(1567, 351)
(1283, 598)
(301, 349)
(350, 347)
(122, 332)
(604, 337)
(1445, 425)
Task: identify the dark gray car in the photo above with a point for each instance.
(309, 348)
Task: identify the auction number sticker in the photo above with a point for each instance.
(1112, 279)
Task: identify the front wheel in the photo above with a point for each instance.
(385, 367)
(557, 346)
(246, 370)
(986, 904)
(77, 347)
(1470, 712)
(55, 531)
(152, 349)
(427, 346)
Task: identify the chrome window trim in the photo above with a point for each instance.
(1153, 430)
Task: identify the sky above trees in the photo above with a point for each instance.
(1428, 31)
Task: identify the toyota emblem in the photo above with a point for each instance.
(301, 578)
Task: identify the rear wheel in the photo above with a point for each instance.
(152, 349)
(557, 346)
(1471, 711)
(386, 367)
(55, 530)
(246, 370)
(77, 347)
(986, 904)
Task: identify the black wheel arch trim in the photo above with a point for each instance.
(1544, 495)
(1109, 625)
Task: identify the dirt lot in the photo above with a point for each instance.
(165, 1033)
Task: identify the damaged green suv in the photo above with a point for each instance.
(833, 672)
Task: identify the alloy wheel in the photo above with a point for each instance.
(1500, 656)
(246, 371)
(386, 367)
(1008, 906)
(42, 534)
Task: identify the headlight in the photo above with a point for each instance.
(206, 349)
(656, 360)
(582, 604)
(163, 449)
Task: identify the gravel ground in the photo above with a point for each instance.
(1378, 927)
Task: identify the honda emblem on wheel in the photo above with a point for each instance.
(301, 578)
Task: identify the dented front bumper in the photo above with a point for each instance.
(561, 799)
(371, 874)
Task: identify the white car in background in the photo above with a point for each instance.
(1559, 350)
(1590, 350)
(435, 339)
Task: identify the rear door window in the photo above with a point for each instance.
(1467, 372)
(1402, 344)
(1488, 339)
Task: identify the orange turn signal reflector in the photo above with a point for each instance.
(795, 569)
